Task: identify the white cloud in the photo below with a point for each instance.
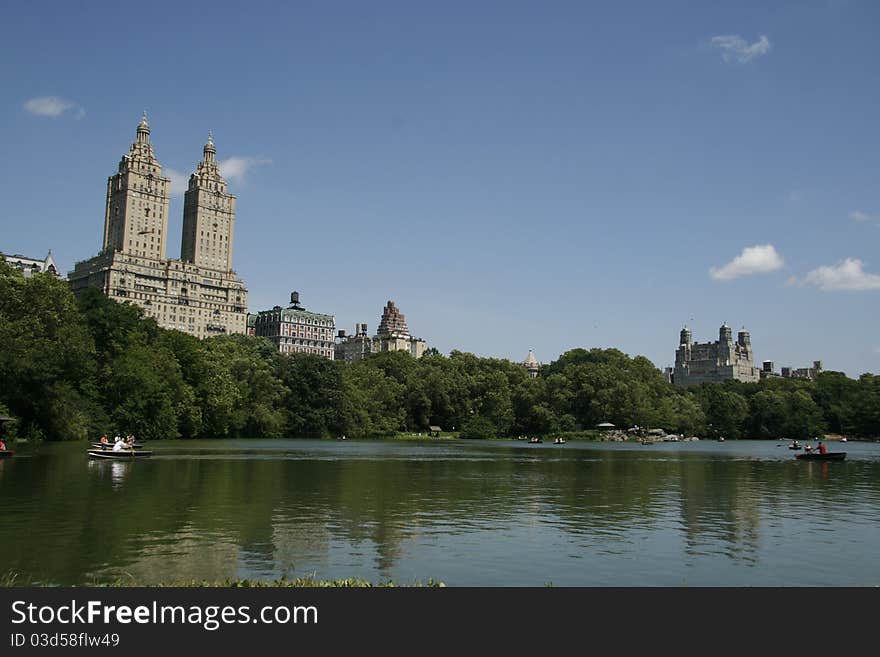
(734, 48)
(858, 215)
(235, 168)
(845, 275)
(758, 259)
(232, 168)
(53, 107)
(179, 181)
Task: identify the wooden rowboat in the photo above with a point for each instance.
(816, 456)
(126, 455)
(6, 453)
(110, 446)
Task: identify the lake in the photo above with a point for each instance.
(467, 513)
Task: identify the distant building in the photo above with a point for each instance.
(768, 370)
(392, 335)
(809, 373)
(713, 362)
(803, 372)
(355, 347)
(668, 374)
(294, 330)
(200, 293)
(532, 365)
(31, 266)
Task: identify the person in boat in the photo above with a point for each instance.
(821, 448)
(2, 445)
(119, 445)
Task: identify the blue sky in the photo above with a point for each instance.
(515, 175)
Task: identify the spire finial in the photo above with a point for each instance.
(143, 129)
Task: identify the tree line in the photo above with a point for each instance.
(75, 368)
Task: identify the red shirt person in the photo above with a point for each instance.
(822, 449)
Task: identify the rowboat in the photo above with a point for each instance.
(110, 446)
(125, 455)
(6, 453)
(817, 456)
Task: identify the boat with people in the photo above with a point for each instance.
(559, 441)
(6, 453)
(819, 456)
(106, 446)
(535, 440)
(119, 455)
(795, 445)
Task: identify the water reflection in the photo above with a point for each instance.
(480, 514)
(116, 471)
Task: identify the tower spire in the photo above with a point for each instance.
(209, 149)
(143, 130)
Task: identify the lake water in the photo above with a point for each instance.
(478, 513)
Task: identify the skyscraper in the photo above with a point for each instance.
(200, 293)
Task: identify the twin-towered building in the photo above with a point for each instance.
(200, 293)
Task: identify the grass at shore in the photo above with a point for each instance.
(13, 579)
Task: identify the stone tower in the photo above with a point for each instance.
(208, 216)
(136, 216)
(393, 322)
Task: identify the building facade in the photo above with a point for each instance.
(199, 294)
(713, 362)
(30, 266)
(392, 335)
(296, 330)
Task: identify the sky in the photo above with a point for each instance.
(514, 175)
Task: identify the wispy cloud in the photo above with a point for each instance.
(736, 49)
(845, 275)
(179, 180)
(758, 259)
(234, 168)
(858, 215)
(53, 107)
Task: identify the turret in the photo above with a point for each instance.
(725, 334)
(685, 336)
(744, 339)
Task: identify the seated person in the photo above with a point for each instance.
(822, 448)
(119, 445)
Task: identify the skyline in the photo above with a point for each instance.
(514, 176)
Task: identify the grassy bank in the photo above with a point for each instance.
(14, 579)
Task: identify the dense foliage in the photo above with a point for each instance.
(77, 368)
